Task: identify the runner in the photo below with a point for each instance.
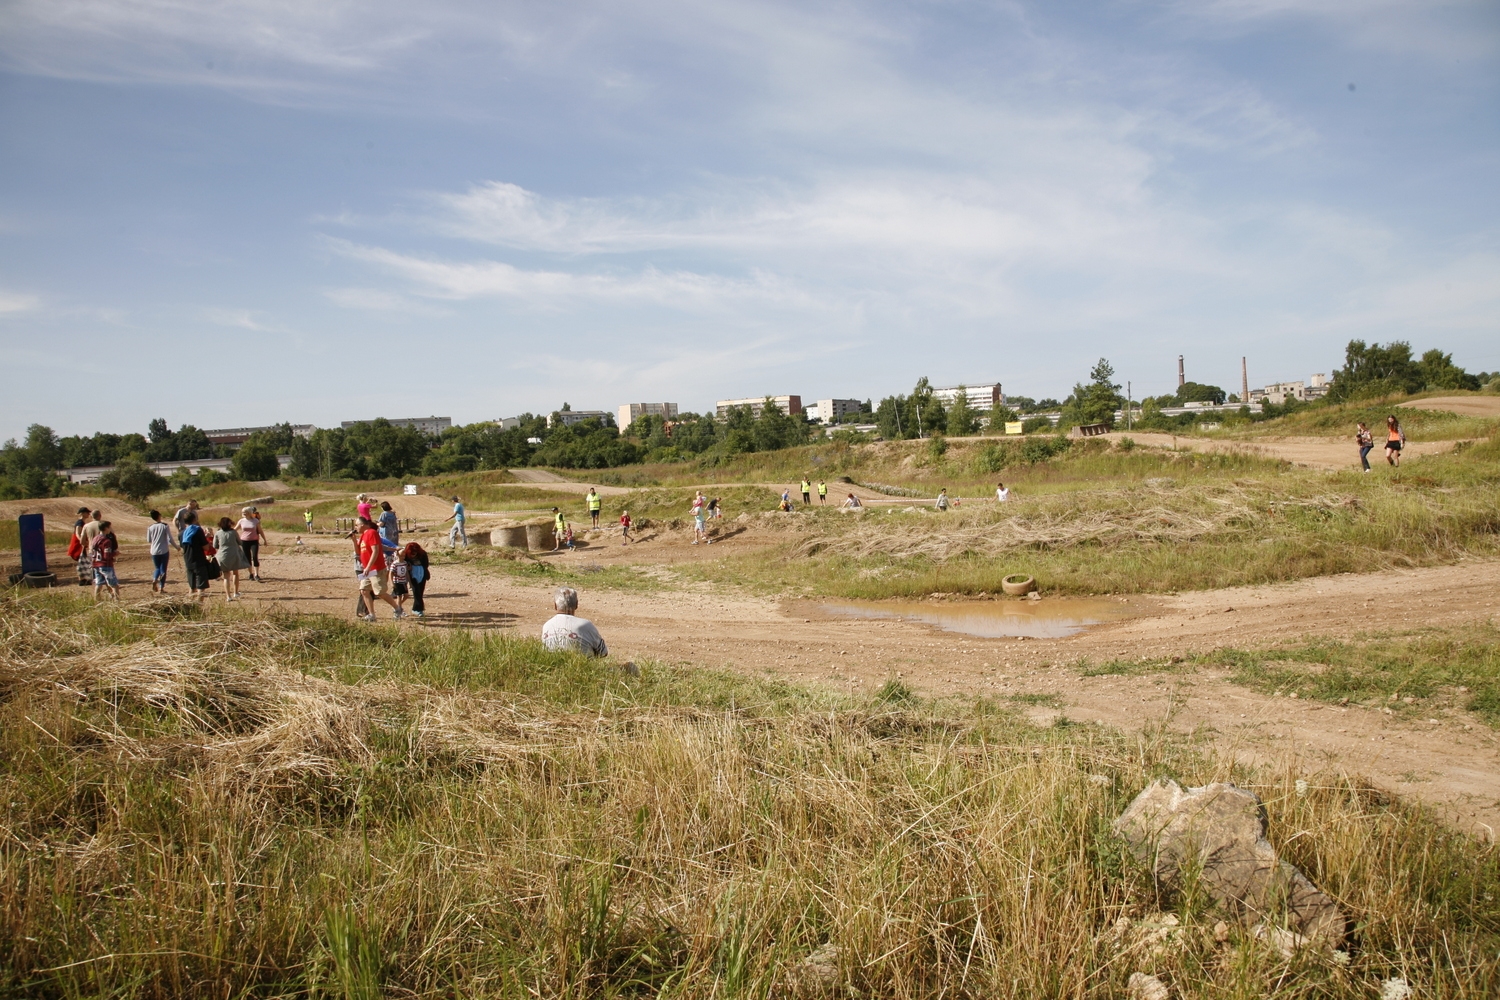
(624, 527)
(942, 499)
(230, 557)
(457, 531)
(853, 502)
(1001, 493)
(195, 555)
(1366, 442)
(307, 516)
(161, 543)
(103, 549)
(806, 492)
(713, 508)
(786, 501)
(419, 572)
(822, 492)
(374, 578)
(250, 535)
(1395, 437)
(83, 563)
(594, 504)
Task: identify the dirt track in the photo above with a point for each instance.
(1453, 762)
(1312, 452)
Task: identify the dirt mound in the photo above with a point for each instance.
(1468, 406)
(61, 512)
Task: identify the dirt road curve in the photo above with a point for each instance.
(1453, 762)
(1313, 452)
(1469, 406)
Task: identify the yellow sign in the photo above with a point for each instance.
(1013, 427)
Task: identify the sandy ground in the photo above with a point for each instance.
(1312, 452)
(1469, 406)
(1434, 752)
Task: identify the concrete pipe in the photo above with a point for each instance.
(540, 537)
(512, 537)
(1018, 584)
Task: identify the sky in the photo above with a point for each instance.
(248, 211)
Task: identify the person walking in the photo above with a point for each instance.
(307, 515)
(374, 578)
(161, 543)
(713, 509)
(400, 575)
(390, 525)
(559, 529)
(230, 557)
(806, 492)
(418, 572)
(103, 550)
(699, 531)
(1366, 442)
(78, 550)
(456, 533)
(1002, 494)
(1395, 439)
(595, 504)
(942, 499)
(250, 536)
(180, 523)
(625, 527)
(822, 492)
(194, 542)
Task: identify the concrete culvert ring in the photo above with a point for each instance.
(1018, 584)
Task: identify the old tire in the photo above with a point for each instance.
(41, 579)
(1018, 584)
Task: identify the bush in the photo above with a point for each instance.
(1035, 424)
(256, 460)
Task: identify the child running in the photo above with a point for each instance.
(103, 550)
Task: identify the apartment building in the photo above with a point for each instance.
(628, 412)
(236, 436)
(567, 418)
(790, 405)
(984, 396)
(433, 426)
(831, 411)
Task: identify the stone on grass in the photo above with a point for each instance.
(817, 971)
(1146, 987)
(1219, 831)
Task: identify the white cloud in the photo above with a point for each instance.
(17, 302)
(1441, 30)
(243, 319)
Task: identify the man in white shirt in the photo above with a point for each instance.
(1001, 493)
(566, 631)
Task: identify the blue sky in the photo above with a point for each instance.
(259, 210)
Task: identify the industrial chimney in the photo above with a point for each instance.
(1180, 377)
(1244, 383)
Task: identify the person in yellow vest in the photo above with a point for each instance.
(559, 529)
(594, 504)
(822, 491)
(806, 493)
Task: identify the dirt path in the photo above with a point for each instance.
(1312, 452)
(1453, 762)
(1469, 406)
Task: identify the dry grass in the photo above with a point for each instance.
(262, 807)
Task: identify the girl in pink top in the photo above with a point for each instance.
(250, 535)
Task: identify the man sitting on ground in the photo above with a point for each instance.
(566, 631)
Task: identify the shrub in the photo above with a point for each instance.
(134, 479)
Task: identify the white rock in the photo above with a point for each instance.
(1146, 987)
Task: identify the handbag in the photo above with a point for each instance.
(213, 572)
(75, 548)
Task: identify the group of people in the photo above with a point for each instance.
(232, 549)
(1395, 438)
(385, 569)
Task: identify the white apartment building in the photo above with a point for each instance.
(1277, 393)
(427, 425)
(567, 418)
(628, 412)
(985, 396)
(831, 411)
(790, 405)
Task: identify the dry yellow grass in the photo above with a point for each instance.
(272, 808)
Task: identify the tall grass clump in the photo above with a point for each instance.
(203, 806)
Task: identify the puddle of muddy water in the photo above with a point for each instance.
(1052, 618)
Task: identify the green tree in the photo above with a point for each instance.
(1197, 392)
(255, 461)
(1439, 372)
(1375, 370)
(133, 478)
(1096, 402)
(961, 417)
